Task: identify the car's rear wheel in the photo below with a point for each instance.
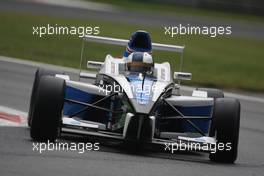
(225, 127)
(38, 74)
(47, 111)
(213, 93)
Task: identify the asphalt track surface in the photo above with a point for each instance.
(239, 29)
(16, 149)
(18, 157)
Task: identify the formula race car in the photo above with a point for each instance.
(135, 100)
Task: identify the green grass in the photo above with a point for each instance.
(230, 63)
(169, 9)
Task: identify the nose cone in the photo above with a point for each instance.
(142, 92)
(139, 127)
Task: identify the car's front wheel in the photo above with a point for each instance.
(47, 111)
(38, 74)
(225, 128)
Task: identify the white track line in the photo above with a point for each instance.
(232, 95)
(72, 70)
(37, 64)
(244, 97)
(80, 4)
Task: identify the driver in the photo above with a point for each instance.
(139, 62)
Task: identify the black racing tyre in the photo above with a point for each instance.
(213, 93)
(47, 111)
(38, 74)
(225, 127)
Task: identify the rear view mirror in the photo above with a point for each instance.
(182, 76)
(94, 65)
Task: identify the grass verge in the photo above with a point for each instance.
(169, 9)
(231, 63)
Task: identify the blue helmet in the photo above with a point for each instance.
(139, 41)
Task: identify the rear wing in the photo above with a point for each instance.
(123, 42)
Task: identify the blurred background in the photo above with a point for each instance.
(233, 62)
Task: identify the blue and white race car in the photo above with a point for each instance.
(135, 100)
